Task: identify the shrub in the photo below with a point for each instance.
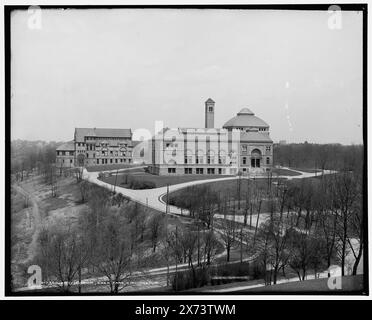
(188, 280)
(135, 184)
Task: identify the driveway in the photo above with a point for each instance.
(153, 197)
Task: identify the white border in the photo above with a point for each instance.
(160, 297)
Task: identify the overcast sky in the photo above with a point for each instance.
(129, 68)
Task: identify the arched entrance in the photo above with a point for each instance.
(80, 160)
(256, 157)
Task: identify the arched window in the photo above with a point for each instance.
(256, 153)
(256, 158)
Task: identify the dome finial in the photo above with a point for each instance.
(245, 111)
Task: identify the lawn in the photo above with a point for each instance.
(157, 181)
(108, 167)
(349, 283)
(230, 187)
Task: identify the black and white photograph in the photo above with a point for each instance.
(186, 150)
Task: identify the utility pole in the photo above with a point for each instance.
(166, 208)
(198, 241)
(116, 178)
(176, 247)
(241, 245)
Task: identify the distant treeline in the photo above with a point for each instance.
(321, 156)
(28, 155)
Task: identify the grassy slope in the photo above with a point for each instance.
(25, 225)
(160, 181)
(349, 283)
(108, 167)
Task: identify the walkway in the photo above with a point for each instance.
(153, 197)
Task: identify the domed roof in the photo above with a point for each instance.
(245, 118)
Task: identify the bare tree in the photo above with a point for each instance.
(156, 226)
(84, 188)
(306, 251)
(210, 247)
(274, 243)
(228, 235)
(64, 253)
(113, 256)
(344, 192)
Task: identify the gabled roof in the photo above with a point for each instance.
(254, 136)
(68, 146)
(209, 101)
(80, 133)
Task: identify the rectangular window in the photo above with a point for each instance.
(110, 160)
(244, 160)
(199, 159)
(188, 159)
(199, 170)
(210, 171)
(267, 160)
(255, 163)
(188, 170)
(171, 170)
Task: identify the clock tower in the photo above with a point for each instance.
(209, 113)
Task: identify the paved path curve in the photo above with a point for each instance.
(153, 197)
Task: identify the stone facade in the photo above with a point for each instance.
(65, 155)
(243, 145)
(95, 146)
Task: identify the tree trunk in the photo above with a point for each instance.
(357, 260)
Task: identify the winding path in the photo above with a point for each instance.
(153, 197)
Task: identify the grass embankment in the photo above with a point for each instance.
(108, 167)
(32, 208)
(229, 189)
(125, 180)
(349, 283)
(47, 212)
